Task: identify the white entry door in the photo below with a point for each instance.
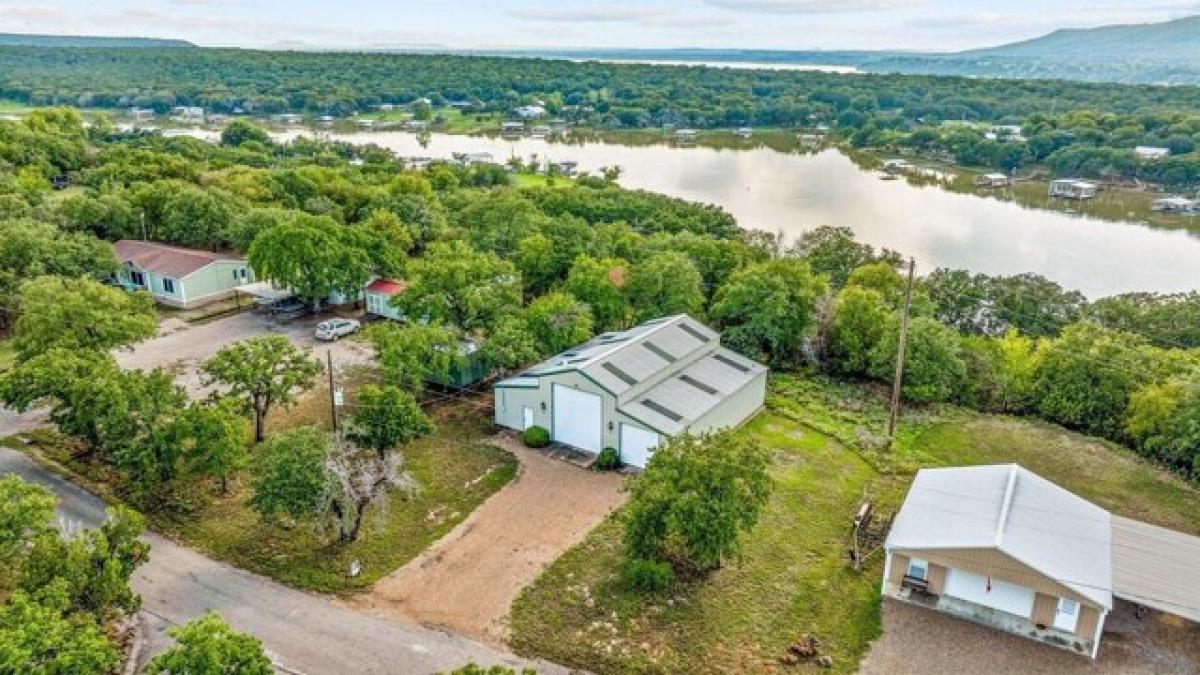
(636, 445)
(989, 592)
(526, 417)
(578, 416)
(1066, 615)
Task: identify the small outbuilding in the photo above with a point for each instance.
(180, 277)
(630, 389)
(378, 295)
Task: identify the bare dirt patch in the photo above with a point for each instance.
(467, 580)
(918, 641)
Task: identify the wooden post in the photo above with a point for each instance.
(898, 380)
(332, 399)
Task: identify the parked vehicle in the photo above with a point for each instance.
(336, 328)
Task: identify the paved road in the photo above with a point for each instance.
(304, 633)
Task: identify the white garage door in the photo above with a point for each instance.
(636, 445)
(577, 418)
(990, 593)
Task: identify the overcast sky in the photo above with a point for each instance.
(769, 24)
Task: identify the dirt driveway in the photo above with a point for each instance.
(467, 580)
(181, 348)
(916, 640)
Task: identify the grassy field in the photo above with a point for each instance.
(793, 578)
(523, 180)
(455, 468)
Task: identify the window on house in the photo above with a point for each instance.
(137, 277)
(168, 285)
(918, 569)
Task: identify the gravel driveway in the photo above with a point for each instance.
(181, 348)
(468, 579)
(916, 641)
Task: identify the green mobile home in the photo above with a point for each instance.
(180, 277)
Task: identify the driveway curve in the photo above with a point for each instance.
(468, 579)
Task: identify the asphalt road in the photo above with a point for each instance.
(304, 633)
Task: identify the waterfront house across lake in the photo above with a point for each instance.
(993, 180)
(1071, 188)
(1008, 549)
(1176, 205)
(179, 277)
(1151, 152)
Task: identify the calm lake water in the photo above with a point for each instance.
(792, 192)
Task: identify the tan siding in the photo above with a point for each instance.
(1044, 609)
(993, 563)
(899, 568)
(1089, 618)
(937, 578)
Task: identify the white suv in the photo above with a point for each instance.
(336, 328)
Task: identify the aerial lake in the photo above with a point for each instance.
(791, 192)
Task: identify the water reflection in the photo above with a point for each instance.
(769, 189)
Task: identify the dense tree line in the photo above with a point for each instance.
(1072, 128)
(524, 273)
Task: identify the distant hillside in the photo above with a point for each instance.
(1156, 53)
(1173, 41)
(21, 40)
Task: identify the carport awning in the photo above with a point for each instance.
(264, 291)
(1156, 567)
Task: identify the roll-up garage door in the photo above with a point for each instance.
(636, 445)
(577, 418)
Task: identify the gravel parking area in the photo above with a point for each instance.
(182, 347)
(916, 640)
(467, 580)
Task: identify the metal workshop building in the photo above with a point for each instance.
(629, 389)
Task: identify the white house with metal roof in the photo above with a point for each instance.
(629, 389)
(1001, 546)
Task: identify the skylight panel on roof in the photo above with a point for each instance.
(659, 351)
(694, 333)
(620, 374)
(662, 410)
(731, 363)
(698, 384)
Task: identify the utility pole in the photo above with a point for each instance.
(144, 237)
(332, 396)
(898, 380)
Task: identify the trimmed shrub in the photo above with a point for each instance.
(536, 437)
(607, 460)
(650, 576)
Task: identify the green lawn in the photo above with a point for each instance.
(524, 180)
(793, 578)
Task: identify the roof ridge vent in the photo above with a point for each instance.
(1006, 505)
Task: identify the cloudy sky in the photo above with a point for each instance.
(773, 24)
